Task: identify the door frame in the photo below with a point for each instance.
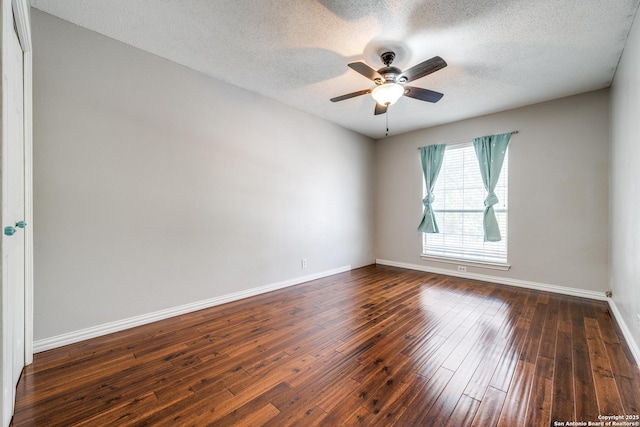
(19, 9)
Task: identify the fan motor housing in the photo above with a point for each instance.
(390, 74)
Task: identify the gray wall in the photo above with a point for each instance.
(558, 191)
(625, 184)
(156, 186)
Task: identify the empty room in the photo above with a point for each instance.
(320, 212)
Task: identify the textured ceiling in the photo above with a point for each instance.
(501, 53)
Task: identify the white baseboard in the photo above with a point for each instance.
(119, 325)
(501, 280)
(107, 328)
(633, 345)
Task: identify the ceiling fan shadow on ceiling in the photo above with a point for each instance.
(391, 82)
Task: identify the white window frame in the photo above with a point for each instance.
(446, 254)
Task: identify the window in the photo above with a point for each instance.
(459, 206)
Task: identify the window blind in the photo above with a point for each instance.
(458, 208)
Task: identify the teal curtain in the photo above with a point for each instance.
(490, 151)
(431, 157)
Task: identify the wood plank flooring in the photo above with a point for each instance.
(377, 346)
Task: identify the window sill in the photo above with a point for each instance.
(466, 262)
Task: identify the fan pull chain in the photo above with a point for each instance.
(387, 116)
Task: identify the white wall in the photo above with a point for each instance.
(625, 185)
(156, 186)
(558, 191)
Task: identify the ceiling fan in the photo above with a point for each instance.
(390, 81)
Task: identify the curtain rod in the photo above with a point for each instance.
(513, 132)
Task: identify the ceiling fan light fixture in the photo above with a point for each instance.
(387, 93)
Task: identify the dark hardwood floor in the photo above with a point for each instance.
(377, 346)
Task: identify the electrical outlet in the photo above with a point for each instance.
(638, 320)
(462, 268)
(303, 263)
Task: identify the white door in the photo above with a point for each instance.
(13, 213)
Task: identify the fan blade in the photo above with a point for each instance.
(422, 69)
(351, 95)
(365, 70)
(380, 109)
(422, 94)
